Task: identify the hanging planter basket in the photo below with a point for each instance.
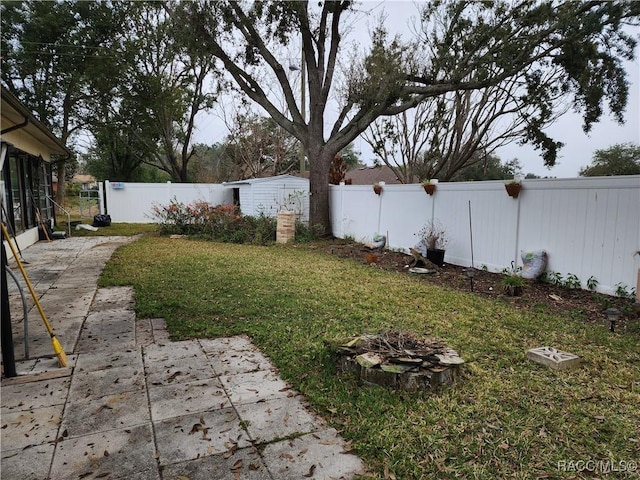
(430, 188)
(377, 189)
(513, 189)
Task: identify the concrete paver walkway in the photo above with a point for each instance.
(132, 404)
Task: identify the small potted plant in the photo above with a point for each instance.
(435, 238)
(377, 187)
(430, 185)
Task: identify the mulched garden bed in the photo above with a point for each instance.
(577, 304)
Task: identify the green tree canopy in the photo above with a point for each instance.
(56, 55)
(620, 159)
(212, 164)
(489, 167)
(126, 72)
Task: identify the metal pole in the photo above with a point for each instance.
(303, 102)
(471, 235)
(6, 340)
(25, 313)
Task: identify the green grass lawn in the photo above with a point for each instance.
(505, 418)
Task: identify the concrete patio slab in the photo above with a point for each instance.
(158, 323)
(151, 331)
(117, 320)
(220, 345)
(39, 346)
(106, 382)
(35, 395)
(30, 463)
(316, 455)
(50, 364)
(118, 454)
(65, 302)
(88, 362)
(243, 464)
(189, 397)
(276, 419)
(254, 387)
(89, 272)
(76, 281)
(178, 371)
(237, 361)
(122, 410)
(68, 334)
(113, 297)
(21, 429)
(189, 437)
(29, 371)
(90, 342)
(174, 351)
(144, 332)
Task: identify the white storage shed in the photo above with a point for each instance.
(271, 194)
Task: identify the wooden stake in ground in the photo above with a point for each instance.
(57, 348)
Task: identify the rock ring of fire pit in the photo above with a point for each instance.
(399, 360)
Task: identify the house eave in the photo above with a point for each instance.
(20, 118)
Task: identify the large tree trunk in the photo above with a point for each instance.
(319, 189)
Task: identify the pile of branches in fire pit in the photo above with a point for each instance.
(398, 352)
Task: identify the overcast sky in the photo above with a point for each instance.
(578, 149)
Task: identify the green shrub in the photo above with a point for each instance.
(222, 223)
(261, 230)
(306, 234)
(72, 189)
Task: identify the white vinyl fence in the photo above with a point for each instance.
(590, 227)
(133, 202)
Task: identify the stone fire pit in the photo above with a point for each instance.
(399, 360)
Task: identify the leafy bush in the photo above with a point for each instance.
(175, 218)
(72, 189)
(263, 229)
(222, 223)
(306, 234)
(572, 281)
(622, 292)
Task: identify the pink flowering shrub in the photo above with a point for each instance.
(217, 222)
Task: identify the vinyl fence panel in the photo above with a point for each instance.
(133, 202)
(589, 227)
